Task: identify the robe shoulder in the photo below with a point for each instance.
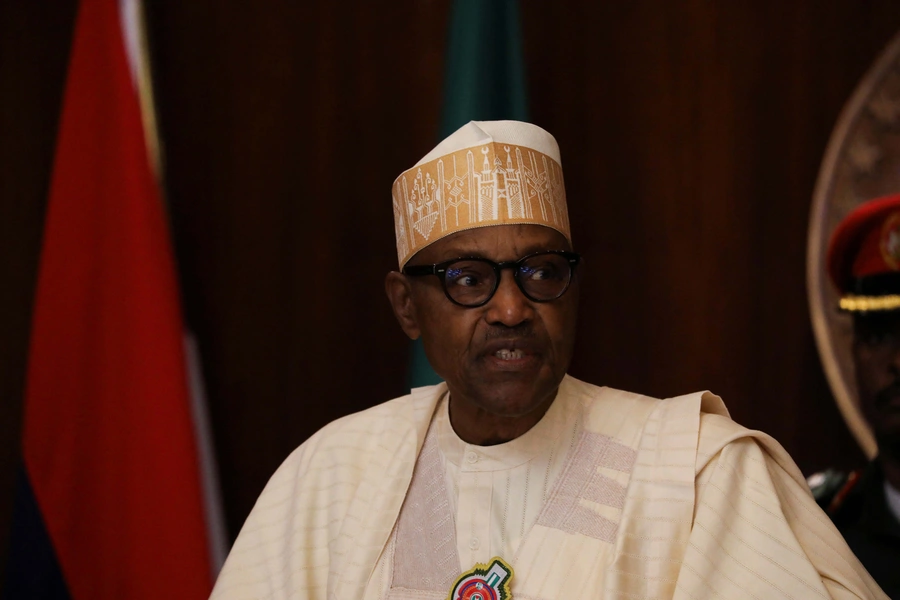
(358, 435)
(609, 411)
(334, 496)
(754, 514)
(718, 431)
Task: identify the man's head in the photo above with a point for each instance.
(502, 343)
(864, 264)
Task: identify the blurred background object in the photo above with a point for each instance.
(691, 135)
(862, 162)
(116, 493)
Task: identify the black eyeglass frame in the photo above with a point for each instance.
(440, 271)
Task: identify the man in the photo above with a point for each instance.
(864, 264)
(513, 479)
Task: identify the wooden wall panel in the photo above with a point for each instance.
(285, 127)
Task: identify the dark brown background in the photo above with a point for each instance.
(691, 135)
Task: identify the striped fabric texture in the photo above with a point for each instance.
(656, 499)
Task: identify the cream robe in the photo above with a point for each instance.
(497, 492)
(710, 510)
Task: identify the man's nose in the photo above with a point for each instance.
(509, 306)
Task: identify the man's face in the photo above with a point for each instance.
(876, 355)
(505, 358)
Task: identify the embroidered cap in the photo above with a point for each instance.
(485, 173)
(864, 257)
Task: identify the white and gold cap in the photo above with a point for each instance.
(486, 173)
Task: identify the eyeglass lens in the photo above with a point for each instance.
(542, 277)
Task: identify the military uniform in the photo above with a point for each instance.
(857, 504)
(864, 265)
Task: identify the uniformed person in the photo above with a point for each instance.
(864, 264)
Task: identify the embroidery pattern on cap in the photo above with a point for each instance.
(515, 184)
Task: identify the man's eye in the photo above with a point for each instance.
(463, 278)
(538, 273)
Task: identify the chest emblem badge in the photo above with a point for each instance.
(484, 582)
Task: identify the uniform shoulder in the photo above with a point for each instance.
(832, 489)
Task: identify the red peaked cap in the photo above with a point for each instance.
(866, 242)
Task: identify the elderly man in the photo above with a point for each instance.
(864, 264)
(512, 479)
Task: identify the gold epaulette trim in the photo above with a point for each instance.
(851, 303)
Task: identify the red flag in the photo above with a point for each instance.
(109, 444)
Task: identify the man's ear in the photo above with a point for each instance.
(399, 292)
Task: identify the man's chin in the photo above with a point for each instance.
(515, 399)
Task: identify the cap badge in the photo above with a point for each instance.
(484, 582)
(890, 241)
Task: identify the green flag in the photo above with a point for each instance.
(484, 80)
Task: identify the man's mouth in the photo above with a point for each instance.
(506, 354)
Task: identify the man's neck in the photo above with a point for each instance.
(476, 426)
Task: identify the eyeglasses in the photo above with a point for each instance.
(471, 282)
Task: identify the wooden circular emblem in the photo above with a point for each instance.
(862, 162)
